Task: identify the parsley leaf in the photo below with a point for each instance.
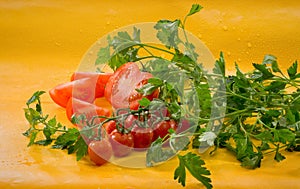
(194, 164)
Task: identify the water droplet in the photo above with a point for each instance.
(249, 45)
(228, 53)
(239, 39)
(108, 23)
(225, 28)
(200, 36)
(58, 44)
(239, 59)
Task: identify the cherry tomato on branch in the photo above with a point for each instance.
(161, 129)
(122, 143)
(100, 151)
(110, 126)
(142, 137)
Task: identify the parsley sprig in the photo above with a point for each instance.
(46, 131)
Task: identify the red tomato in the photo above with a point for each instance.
(99, 78)
(83, 89)
(76, 106)
(121, 87)
(142, 137)
(113, 80)
(102, 78)
(162, 129)
(110, 126)
(122, 143)
(100, 151)
(183, 125)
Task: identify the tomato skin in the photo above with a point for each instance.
(76, 106)
(102, 78)
(110, 126)
(161, 129)
(83, 89)
(61, 93)
(99, 79)
(100, 151)
(182, 126)
(142, 137)
(122, 143)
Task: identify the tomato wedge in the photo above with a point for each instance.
(77, 107)
(85, 86)
(121, 87)
(99, 78)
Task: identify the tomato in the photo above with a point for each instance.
(76, 106)
(142, 137)
(161, 129)
(114, 79)
(100, 151)
(183, 125)
(110, 126)
(83, 89)
(121, 87)
(122, 143)
(99, 78)
(135, 96)
(102, 78)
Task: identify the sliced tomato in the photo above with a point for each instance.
(129, 69)
(121, 87)
(77, 107)
(99, 78)
(83, 89)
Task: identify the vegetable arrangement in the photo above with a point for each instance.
(154, 111)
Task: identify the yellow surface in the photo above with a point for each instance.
(42, 42)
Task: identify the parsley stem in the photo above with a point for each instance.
(157, 48)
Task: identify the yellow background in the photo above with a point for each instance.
(42, 43)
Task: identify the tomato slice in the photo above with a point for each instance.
(121, 87)
(99, 78)
(86, 89)
(77, 107)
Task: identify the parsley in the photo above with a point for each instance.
(194, 165)
(52, 132)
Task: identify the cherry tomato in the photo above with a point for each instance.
(142, 137)
(76, 106)
(122, 143)
(100, 151)
(182, 126)
(110, 126)
(161, 129)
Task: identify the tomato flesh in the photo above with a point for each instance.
(121, 87)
